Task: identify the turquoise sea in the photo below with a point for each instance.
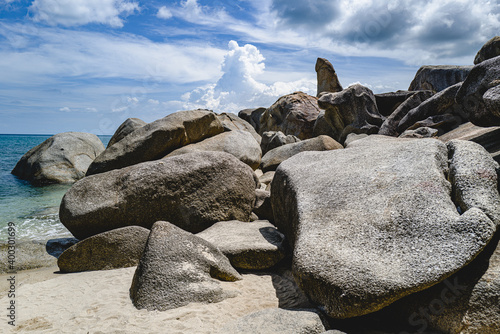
(34, 210)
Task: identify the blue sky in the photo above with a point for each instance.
(87, 65)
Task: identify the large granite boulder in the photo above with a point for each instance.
(439, 104)
(488, 137)
(272, 159)
(273, 139)
(490, 49)
(114, 249)
(479, 94)
(231, 122)
(322, 127)
(352, 110)
(388, 102)
(437, 78)
(63, 158)
(252, 116)
(239, 143)
(376, 222)
(193, 191)
(253, 246)
(293, 114)
(391, 124)
(127, 127)
(326, 77)
(155, 140)
(277, 321)
(178, 268)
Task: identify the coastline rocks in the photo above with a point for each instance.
(383, 228)
(292, 114)
(479, 93)
(193, 191)
(231, 122)
(253, 246)
(277, 321)
(437, 78)
(326, 77)
(178, 268)
(272, 159)
(127, 127)
(273, 139)
(252, 116)
(157, 139)
(63, 158)
(388, 102)
(352, 110)
(238, 143)
(114, 249)
(490, 49)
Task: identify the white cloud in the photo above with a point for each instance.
(164, 13)
(91, 109)
(192, 11)
(153, 102)
(65, 109)
(238, 88)
(80, 12)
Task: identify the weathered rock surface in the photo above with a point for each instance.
(127, 127)
(273, 139)
(193, 191)
(439, 104)
(437, 78)
(391, 124)
(489, 137)
(352, 110)
(322, 127)
(422, 132)
(155, 140)
(262, 207)
(490, 49)
(386, 227)
(178, 268)
(327, 78)
(277, 321)
(231, 122)
(479, 94)
(253, 246)
(238, 143)
(252, 116)
(63, 158)
(292, 114)
(388, 102)
(273, 158)
(114, 249)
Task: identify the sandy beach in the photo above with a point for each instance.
(98, 302)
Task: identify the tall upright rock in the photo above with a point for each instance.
(327, 78)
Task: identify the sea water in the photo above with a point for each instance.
(33, 209)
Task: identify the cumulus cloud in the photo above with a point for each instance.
(81, 12)
(238, 87)
(164, 13)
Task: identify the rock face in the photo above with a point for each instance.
(480, 95)
(437, 78)
(238, 143)
(273, 139)
(176, 269)
(63, 158)
(262, 207)
(252, 116)
(388, 102)
(193, 191)
(277, 321)
(489, 50)
(391, 124)
(127, 127)
(157, 139)
(254, 246)
(231, 122)
(273, 158)
(114, 249)
(352, 110)
(489, 137)
(423, 132)
(442, 103)
(327, 78)
(292, 114)
(386, 227)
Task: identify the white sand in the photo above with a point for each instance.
(98, 302)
